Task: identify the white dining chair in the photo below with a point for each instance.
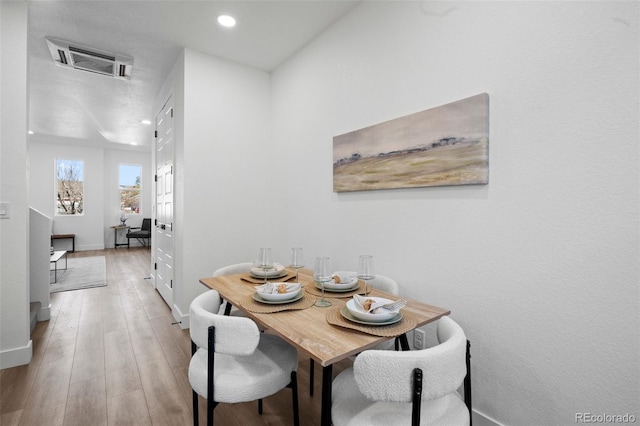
(233, 362)
(236, 268)
(407, 387)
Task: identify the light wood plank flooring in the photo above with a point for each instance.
(111, 356)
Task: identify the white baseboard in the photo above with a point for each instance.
(44, 314)
(480, 419)
(181, 319)
(17, 356)
(90, 247)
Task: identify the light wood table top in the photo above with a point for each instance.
(308, 329)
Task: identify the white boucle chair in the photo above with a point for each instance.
(408, 387)
(233, 362)
(236, 268)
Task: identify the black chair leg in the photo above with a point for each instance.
(294, 393)
(196, 420)
(210, 407)
(260, 406)
(312, 366)
(467, 384)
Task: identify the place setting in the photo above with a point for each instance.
(341, 284)
(378, 316)
(265, 269)
(277, 296)
(373, 315)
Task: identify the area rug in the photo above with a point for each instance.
(82, 272)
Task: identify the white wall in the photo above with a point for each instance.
(223, 175)
(40, 263)
(102, 200)
(540, 266)
(15, 345)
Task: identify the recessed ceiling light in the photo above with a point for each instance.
(147, 122)
(30, 132)
(226, 21)
(134, 143)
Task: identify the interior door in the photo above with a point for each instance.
(163, 251)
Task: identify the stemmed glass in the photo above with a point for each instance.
(365, 269)
(297, 260)
(264, 261)
(322, 275)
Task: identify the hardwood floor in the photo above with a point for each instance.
(111, 356)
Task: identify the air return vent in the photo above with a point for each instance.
(72, 55)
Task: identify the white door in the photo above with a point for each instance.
(163, 252)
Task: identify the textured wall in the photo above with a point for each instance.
(540, 266)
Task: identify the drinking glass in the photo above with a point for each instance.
(322, 275)
(365, 269)
(264, 261)
(297, 260)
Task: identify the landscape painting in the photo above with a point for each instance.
(446, 145)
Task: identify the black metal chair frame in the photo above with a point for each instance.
(416, 401)
(139, 234)
(212, 403)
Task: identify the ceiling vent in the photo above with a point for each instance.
(72, 55)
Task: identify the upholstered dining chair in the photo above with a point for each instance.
(233, 362)
(380, 282)
(408, 387)
(236, 268)
(142, 233)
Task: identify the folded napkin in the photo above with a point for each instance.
(367, 304)
(344, 277)
(275, 288)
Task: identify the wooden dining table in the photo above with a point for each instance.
(309, 329)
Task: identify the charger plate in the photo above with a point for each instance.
(406, 324)
(252, 305)
(286, 276)
(313, 290)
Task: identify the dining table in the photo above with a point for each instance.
(325, 335)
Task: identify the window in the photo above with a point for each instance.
(69, 187)
(130, 188)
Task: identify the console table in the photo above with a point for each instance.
(117, 228)
(71, 237)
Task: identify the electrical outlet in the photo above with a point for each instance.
(418, 338)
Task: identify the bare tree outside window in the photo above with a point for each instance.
(130, 188)
(69, 187)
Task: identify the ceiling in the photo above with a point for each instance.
(77, 107)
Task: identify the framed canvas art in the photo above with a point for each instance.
(445, 145)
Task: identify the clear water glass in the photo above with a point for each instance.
(297, 260)
(265, 262)
(322, 275)
(365, 269)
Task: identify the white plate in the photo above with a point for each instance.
(337, 290)
(276, 272)
(258, 298)
(366, 316)
(347, 315)
(348, 280)
(278, 297)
